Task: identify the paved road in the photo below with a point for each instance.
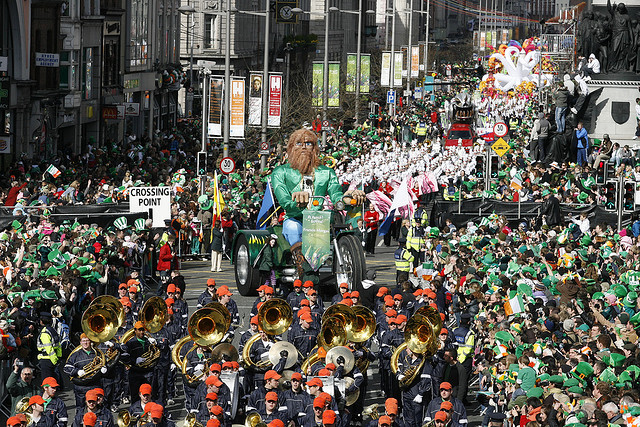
(196, 274)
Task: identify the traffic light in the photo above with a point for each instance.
(495, 166)
(601, 172)
(610, 195)
(202, 163)
(629, 196)
(480, 167)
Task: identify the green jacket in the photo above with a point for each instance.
(266, 264)
(286, 181)
(18, 389)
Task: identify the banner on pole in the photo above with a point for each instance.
(236, 127)
(415, 61)
(255, 99)
(365, 73)
(334, 84)
(483, 40)
(404, 50)
(397, 69)
(316, 92)
(214, 127)
(352, 67)
(275, 100)
(385, 70)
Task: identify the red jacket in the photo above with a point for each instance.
(371, 219)
(165, 258)
(13, 195)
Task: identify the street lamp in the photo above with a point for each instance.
(358, 53)
(189, 10)
(325, 66)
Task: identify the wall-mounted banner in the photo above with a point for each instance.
(255, 99)
(236, 127)
(352, 67)
(415, 61)
(365, 73)
(275, 100)
(284, 12)
(316, 90)
(385, 69)
(397, 69)
(214, 127)
(334, 84)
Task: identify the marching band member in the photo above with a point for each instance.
(342, 289)
(272, 410)
(257, 397)
(307, 336)
(135, 297)
(141, 370)
(296, 295)
(103, 416)
(195, 367)
(208, 295)
(224, 297)
(75, 369)
(137, 408)
(39, 418)
(296, 397)
(253, 329)
(414, 391)
(54, 406)
(157, 417)
(180, 307)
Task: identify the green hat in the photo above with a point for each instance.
(49, 295)
(598, 295)
(616, 360)
(535, 392)
(583, 370)
(52, 271)
(31, 294)
(525, 289)
(504, 337)
(630, 299)
(139, 224)
(545, 192)
(120, 223)
(575, 389)
(519, 401)
(570, 382)
(608, 375)
(620, 291)
(635, 319)
(585, 240)
(582, 197)
(556, 379)
(205, 203)
(17, 225)
(583, 327)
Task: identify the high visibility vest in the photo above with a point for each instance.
(48, 345)
(403, 260)
(414, 239)
(421, 129)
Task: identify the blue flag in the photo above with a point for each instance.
(386, 224)
(267, 205)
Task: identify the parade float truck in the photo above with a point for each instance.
(462, 115)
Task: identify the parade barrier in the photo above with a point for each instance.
(102, 214)
(476, 208)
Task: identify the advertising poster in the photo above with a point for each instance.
(255, 99)
(415, 61)
(236, 126)
(365, 73)
(316, 243)
(352, 67)
(334, 84)
(397, 69)
(275, 100)
(385, 70)
(316, 91)
(215, 107)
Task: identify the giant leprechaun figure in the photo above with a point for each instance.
(296, 181)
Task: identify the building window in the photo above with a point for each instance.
(69, 70)
(139, 33)
(211, 32)
(88, 73)
(111, 63)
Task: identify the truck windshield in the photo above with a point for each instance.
(459, 134)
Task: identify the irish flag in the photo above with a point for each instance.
(514, 304)
(54, 171)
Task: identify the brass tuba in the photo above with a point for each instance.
(421, 337)
(99, 322)
(254, 419)
(371, 411)
(153, 315)
(124, 418)
(274, 317)
(22, 407)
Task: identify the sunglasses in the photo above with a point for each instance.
(445, 410)
(271, 401)
(318, 408)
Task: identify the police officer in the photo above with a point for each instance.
(54, 407)
(404, 260)
(421, 131)
(49, 349)
(466, 339)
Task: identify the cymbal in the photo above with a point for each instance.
(274, 353)
(350, 397)
(226, 350)
(349, 359)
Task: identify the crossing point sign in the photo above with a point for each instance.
(500, 147)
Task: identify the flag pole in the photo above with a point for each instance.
(272, 213)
